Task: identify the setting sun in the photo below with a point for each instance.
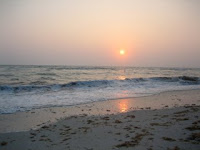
(122, 52)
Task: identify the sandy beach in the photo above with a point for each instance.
(169, 120)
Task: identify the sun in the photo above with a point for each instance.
(122, 52)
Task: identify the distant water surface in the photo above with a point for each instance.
(25, 87)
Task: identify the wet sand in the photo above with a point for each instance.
(169, 120)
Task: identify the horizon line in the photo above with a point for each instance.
(100, 66)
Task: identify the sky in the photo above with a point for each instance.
(153, 33)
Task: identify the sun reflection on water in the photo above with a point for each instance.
(123, 105)
(121, 77)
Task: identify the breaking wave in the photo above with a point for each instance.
(36, 86)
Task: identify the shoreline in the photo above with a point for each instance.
(34, 119)
(76, 105)
(169, 120)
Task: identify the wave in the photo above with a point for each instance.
(47, 74)
(81, 68)
(6, 75)
(181, 80)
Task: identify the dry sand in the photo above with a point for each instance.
(169, 120)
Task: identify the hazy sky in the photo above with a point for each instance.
(91, 32)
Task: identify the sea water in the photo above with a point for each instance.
(26, 87)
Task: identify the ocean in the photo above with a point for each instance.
(24, 88)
